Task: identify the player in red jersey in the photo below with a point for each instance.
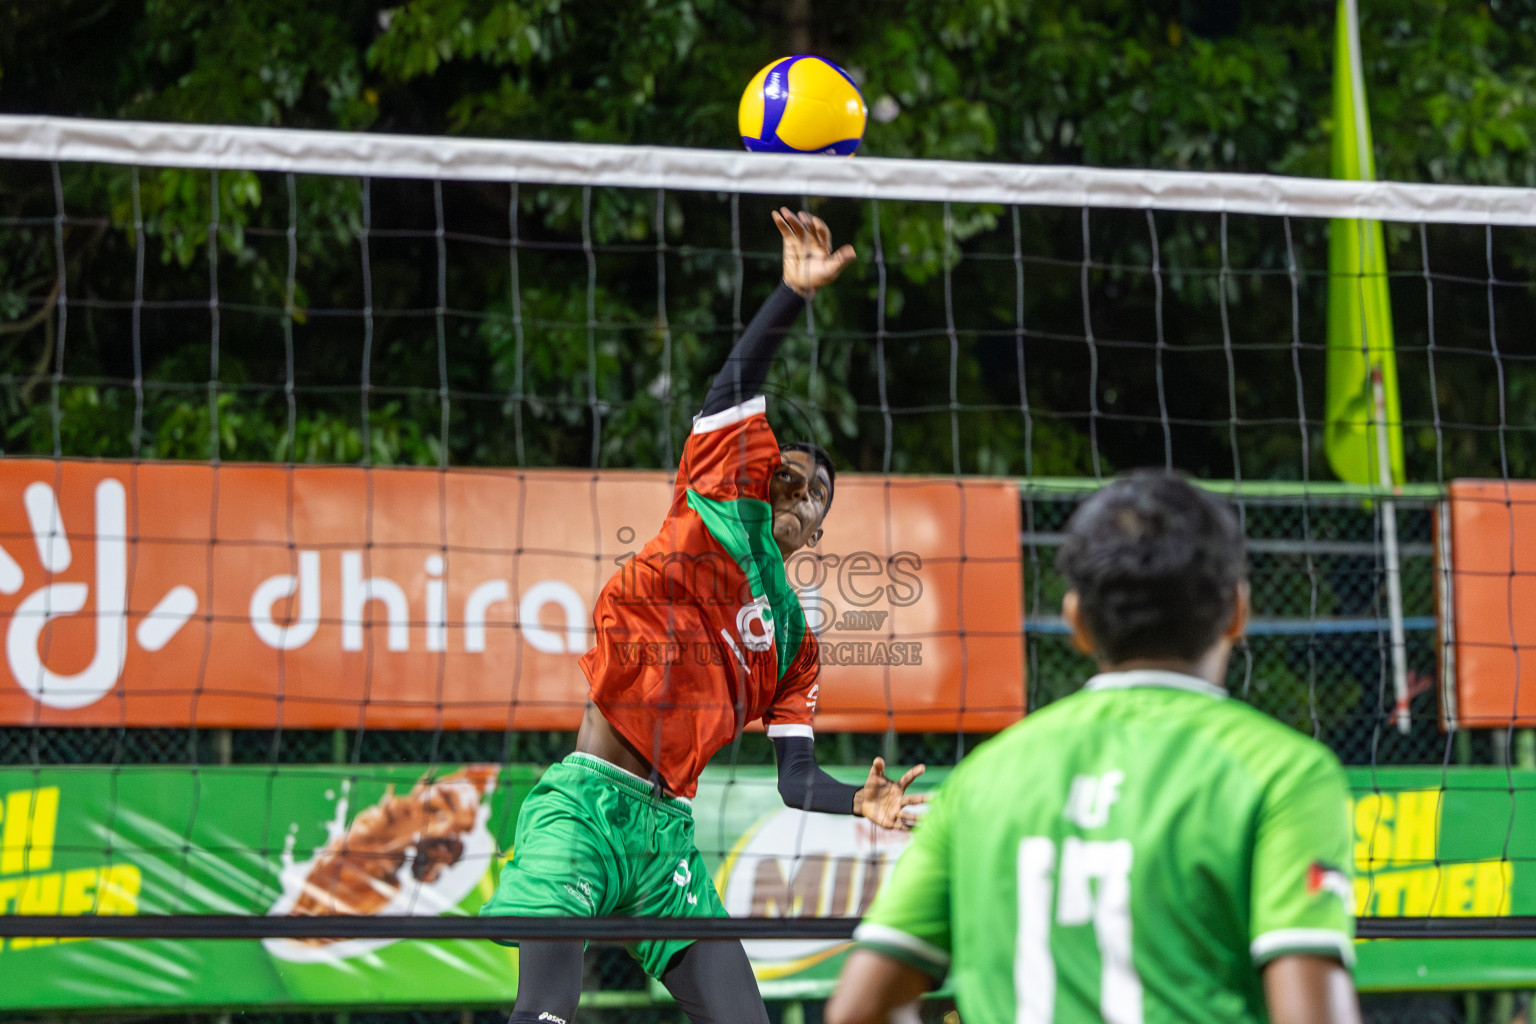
(697, 635)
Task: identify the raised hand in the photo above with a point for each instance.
(887, 803)
(809, 262)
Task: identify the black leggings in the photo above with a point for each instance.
(711, 981)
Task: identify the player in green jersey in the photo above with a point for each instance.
(1143, 852)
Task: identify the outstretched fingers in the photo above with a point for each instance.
(911, 775)
(842, 257)
(788, 224)
(803, 227)
(877, 769)
(793, 226)
(809, 261)
(823, 233)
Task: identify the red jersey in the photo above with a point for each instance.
(701, 632)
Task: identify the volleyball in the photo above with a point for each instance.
(802, 104)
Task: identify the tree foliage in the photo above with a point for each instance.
(931, 359)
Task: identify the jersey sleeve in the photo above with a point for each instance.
(910, 918)
(1302, 899)
(730, 454)
(795, 701)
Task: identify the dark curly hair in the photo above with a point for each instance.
(1155, 562)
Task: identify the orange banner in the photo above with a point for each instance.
(1493, 601)
(173, 594)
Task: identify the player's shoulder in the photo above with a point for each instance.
(1242, 718)
(751, 414)
(726, 446)
(1013, 745)
(1205, 717)
(1061, 716)
(1269, 748)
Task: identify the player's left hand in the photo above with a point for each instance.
(887, 803)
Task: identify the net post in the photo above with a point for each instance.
(1449, 706)
(669, 392)
(514, 286)
(594, 406)
(136, 438)
(56, 378)
(1393, 559)
(881, 297)
(950, 257)
(213, 317)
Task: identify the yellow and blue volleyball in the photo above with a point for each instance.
(802, 105)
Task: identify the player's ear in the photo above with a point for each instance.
(1240, 608)
(1072, 614)
(814, 538)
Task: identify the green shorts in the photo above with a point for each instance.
(593, 840)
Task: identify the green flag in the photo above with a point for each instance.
(1359, 311)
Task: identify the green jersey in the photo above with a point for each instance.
(1132, 853)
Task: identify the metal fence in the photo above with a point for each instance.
(1318, 652)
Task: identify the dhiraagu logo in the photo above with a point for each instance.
(26, 638)
(101, 574)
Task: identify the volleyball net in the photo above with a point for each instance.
(320, 447)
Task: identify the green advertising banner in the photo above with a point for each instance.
(1428, 842)
(400, 840)
(1453, 842)
(178, 840)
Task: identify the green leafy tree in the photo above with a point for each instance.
(933, 358)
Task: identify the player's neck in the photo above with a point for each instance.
(1212, 667)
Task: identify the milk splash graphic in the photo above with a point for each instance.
(400, 857)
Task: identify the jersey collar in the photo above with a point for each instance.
(1154, 677)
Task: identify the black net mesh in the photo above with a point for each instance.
(236, 316)
(1317, 657)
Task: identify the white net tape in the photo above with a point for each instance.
(565, 163)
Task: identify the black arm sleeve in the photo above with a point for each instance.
(803, 784)
(746, 368)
